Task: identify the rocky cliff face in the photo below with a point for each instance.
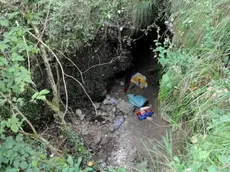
(115, 50)
(107, 55)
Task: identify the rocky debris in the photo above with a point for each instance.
(122, 83)
(110, 100)
(149, 118)
(106, 108)
(80, 114)
(99, 131)
(98, 105)
(107, 102)
(125, 107)
(114, 109)
(111, 113)
(111, 108)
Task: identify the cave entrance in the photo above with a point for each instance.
(143, 62)
(133, 132)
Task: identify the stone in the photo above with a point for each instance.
(98, 105)
(108, 97)
(109, 108)
(97, 139)
(149, 118)
(103, 114)
(114, 109)
(106, 108)
(113, 101)
(120, 100)
(122, 83)
(80, 114)
(99, 113)
(107, 102)
(103, 93)
(125, 107)
(111, 128)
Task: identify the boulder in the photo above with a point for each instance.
(125, 107)
(80, 114)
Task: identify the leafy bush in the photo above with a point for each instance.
(25, 151)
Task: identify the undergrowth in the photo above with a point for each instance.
(194, 90)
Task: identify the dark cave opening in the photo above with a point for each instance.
(144, 58)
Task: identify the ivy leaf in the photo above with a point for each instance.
(16, 163)
(43, 92)
(212, 169)
(17, 57)
(35, 95)
(9, 143)
(34, 50)
(14, 127)
(70, 161)
(19, 138)
(35, 163)
(13, 122)
(11, 170)
(41, 97)
(65, 169)
(71, 169)
(3, 46)
(4, 23)
(23, 165)
(11, 15)
(224, 159)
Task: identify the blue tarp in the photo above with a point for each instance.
(138, 101)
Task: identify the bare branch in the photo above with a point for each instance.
(82, 79)
(95, 108)
(101, 64)
(50, 72)
(45, 23)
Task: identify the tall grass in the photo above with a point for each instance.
(195, 88)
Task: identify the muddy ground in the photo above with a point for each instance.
(127, 146)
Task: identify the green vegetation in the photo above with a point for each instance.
(36, 36)
(30, 34)
(195, 89)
